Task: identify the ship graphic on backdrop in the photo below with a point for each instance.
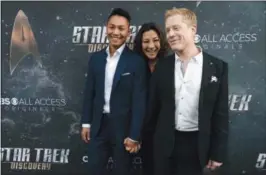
(31, 88)
(23, 42)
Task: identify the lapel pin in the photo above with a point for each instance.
(213, 79)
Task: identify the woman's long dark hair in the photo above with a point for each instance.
(138, 40)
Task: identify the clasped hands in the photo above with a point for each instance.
(131, 146)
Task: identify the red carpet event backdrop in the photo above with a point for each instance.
(42, 92)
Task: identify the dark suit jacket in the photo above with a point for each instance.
(213, 109)
(128, 96)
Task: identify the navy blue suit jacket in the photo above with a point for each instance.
(128, 96)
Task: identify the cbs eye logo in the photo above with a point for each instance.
(8, 101)
(197, 38)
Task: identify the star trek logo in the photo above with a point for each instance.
(239, 102)
(261, 161)
(23, 42)
(34, 159)
(95, 37)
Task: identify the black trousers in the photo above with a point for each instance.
(146, 153)
(184, 159)
(104, 145)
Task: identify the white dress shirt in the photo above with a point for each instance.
(111, 64)
(187, 90)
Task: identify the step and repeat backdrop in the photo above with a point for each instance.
(42, 92)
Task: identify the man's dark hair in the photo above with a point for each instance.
(120, 12)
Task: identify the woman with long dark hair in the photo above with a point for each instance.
(151, 45)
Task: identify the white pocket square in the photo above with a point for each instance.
(124, 74)
(214, 79)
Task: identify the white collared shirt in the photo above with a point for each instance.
(111, 64)
(110, 68)
(187, 90)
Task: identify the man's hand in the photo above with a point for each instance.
(213, 165)
(131, 146)
(85, 134)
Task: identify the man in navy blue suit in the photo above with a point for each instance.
(114, 99)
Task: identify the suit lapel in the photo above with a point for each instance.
(171, 76)
(207, 72)
(102, 65)
(120, 67)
